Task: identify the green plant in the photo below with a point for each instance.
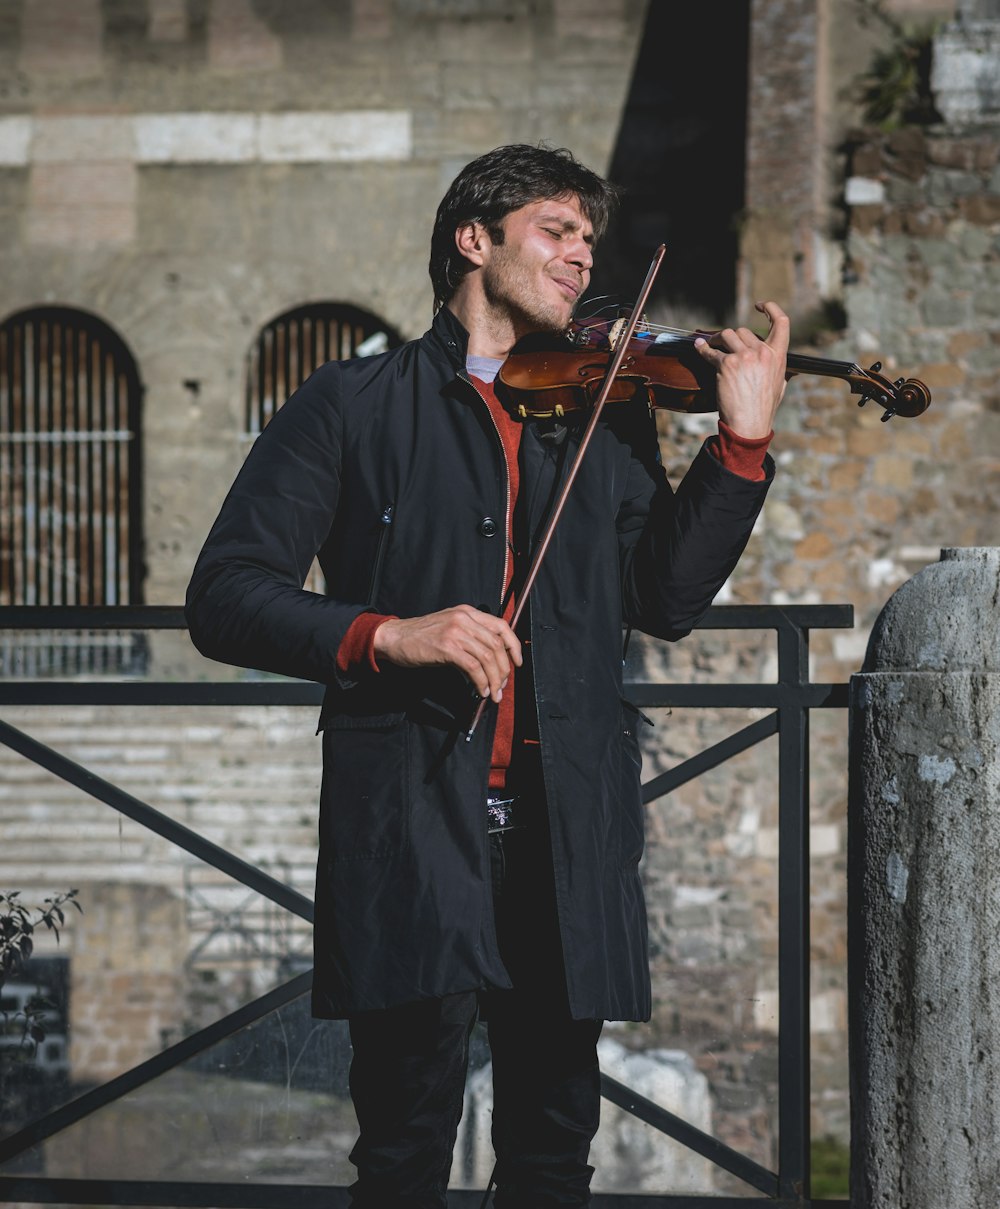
(897, 92)
(896, 89)
(18, 923)
(830, 1162)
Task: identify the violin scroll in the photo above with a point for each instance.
(905, 397)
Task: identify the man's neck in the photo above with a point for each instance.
(491, 334)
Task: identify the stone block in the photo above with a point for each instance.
(987, 303)
(906, 152)
(91, 139)
(326, 137)
(965, 77)
(937, 253)
(816, 545)
(465, 132)
(63, 37)
(864, 191)
(867, 218)
(867, 160)
(984, 357)
(168, 20)
(15, 140)
(940, 374)
(921, 222)
(962, 343)
(627, 1155)
(902, 192)
(81, 206)
(591, 21)
(982, 208)
(944, 308)
(88, 185)
(170, 138)
(238, 40)
(963, 154)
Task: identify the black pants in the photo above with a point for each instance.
(409, 1066)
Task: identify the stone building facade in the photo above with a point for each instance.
(187, 170)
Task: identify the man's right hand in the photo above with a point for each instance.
(478, 644)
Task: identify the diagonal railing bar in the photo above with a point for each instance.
(711, 757)
(690, 1136)
(144, 814)
(99, 1097)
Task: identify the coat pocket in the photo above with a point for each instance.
(364, 804)
(381, 544)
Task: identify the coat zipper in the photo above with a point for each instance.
(385, 521)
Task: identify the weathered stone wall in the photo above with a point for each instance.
(190, 171)
(857, 508)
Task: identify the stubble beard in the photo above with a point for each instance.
(511, 297)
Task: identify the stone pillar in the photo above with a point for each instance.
(923, 897)
(782, 253)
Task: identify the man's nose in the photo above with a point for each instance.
(580, 255)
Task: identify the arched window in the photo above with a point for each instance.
(70, 502)
(292, 346)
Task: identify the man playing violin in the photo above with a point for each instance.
(495, 877)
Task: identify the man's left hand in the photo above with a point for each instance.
(751, 372)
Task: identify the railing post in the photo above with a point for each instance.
(793, 914)
(923, 900)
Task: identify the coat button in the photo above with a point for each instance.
(488, 527)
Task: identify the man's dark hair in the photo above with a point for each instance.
(499, 182)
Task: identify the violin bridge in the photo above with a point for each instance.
(615, 331)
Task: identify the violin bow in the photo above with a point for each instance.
(621, 347)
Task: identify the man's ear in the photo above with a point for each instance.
(473, 242)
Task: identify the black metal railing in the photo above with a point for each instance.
(790, 700)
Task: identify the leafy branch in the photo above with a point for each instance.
(896, 89)
(18, 924)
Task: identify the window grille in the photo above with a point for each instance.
(295, 344)
(70, 505)
(291, 347)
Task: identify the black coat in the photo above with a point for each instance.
(388, 467)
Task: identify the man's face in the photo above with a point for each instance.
(543, 265)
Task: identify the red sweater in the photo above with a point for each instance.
(741, 455)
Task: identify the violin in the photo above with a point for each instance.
(549, 377)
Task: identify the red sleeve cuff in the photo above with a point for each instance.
(356, 652)
(741, 455)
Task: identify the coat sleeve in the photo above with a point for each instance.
(678, 549)
(245, 603)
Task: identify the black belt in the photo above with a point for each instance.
(505, 812)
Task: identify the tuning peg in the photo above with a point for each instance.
(863, 400)
(899, 382)
(873, 369)
(887, 415)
